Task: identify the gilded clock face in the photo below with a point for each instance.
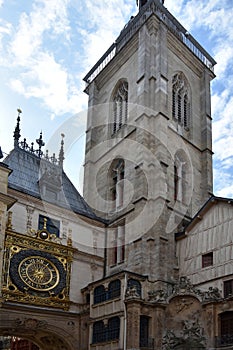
(38, 273)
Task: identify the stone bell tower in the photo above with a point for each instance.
(148, 165)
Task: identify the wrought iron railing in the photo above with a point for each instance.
(133, 26)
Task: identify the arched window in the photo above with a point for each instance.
(114, 289)
(120, 106)
(226, 320)
(114, 328)
(99, 332)
(181, 100)
(136, 284)
(99, 294)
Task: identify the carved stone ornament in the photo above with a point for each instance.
(131, 292)
(185, 287)
(213, 294)
(191, 335)
(29, 323)
(157, 296)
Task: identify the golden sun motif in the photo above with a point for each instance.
(39, 273)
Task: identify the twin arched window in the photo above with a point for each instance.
(120, 106)
(181, 100)
(102, 333)
(113, 291)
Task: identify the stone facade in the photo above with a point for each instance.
(149, 269)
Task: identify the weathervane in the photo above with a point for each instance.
(17, 129)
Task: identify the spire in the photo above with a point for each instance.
(41, 143)
(61, 153)
(17, 130)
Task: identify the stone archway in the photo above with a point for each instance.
(48, 333)
(44, 340)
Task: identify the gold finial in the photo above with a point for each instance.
(45, 224)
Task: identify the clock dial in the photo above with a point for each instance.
(38, 273)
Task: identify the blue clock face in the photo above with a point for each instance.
(37, 272)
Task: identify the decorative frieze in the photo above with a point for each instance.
(185, 287)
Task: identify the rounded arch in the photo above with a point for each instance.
(113, 328)
(99, 294)
(43, 339)
(44, 330)
(181, 296)
(114, 289)
(133, 283)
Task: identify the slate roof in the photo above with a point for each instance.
(27, 170)
(202, 211)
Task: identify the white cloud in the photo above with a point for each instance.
(5, 31)
(49, 82)
(106, 19)
(46, 15)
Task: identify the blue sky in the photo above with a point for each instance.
(48, 46)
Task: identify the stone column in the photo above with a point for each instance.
(133, 324)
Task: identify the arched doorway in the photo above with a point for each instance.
(34, 337)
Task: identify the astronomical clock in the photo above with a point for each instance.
(36, 269)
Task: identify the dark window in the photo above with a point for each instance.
(53, 226)
(114, 289)
(185, 111)
(179, 109)
(144, 331)
(134, 283)
(207, 260)
(88, 298)
(173, 103)
(228, 288)
(113, 328)
(226, 320)
(99, 294)
(99, 332)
